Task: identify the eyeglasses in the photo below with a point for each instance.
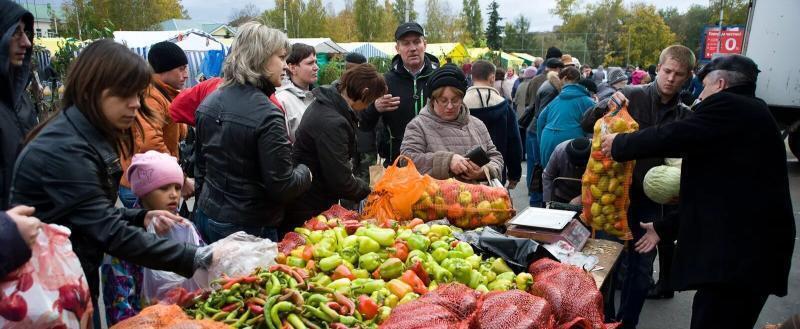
(444, 102)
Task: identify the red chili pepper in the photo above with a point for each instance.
(231, 282)
(414, 281)
(335, 306)
(288, 270)
(348, 306)
(367, 307)
(249, 279)
(453, 244)
(421, 273)
(255, 308)
(376, 274)
(230, 307)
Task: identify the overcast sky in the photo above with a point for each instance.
(537, 11)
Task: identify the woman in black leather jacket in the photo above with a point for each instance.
(70, 171)
(244, 169)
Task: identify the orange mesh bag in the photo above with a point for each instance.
(465, 205)
(606, 183)
(396, 192)
(513, 309)
(448, 307)
(571, 292)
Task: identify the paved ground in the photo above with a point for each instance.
(676, 312)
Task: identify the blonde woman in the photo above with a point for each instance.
(245, 173)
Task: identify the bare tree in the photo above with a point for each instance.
(244, 15)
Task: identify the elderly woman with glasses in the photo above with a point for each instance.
(438, 139)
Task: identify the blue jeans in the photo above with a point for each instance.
(638, 269)
(532, 160)
(213, 230)
(127, 197)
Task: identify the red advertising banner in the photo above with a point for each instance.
(730, 42)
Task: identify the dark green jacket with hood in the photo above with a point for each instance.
(409, 88)
(17, 114)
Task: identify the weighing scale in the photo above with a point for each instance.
(549, 226)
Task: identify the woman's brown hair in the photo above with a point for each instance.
(570, 73)
(105, 65)
(360, 77)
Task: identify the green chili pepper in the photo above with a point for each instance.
(440, 274)
(219, 316)
(330, 312)
(341, 285)
(284, 306)
(341, 234)
(242, 319)
(460, 268)
(318, 313)
(315, 236)
(295, 321)
(316, 299)
(476, 279)
(440, 244)
(465, 248)
(500, 285)
(350, 242)
(321, 279)
(474, 261)
(273, 287)
(232, 315)
(268, 307)
(500, 266)
(348, 320)
(208, 309)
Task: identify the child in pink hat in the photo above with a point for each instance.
(156, 178)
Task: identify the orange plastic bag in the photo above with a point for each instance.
(465, 205)
(606, 183)
(396, 192)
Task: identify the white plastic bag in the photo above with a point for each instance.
(155, 284)
(50, 290)
(239, 254)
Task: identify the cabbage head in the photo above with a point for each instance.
(662, 184)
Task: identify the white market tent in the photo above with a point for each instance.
(321, 45)
(188, 40)
(364, 48)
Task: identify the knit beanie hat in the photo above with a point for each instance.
(165, 56)
(553, 52)
(589, 85)
(616, 74)
(447, 75)
(355, 58)
(152, 170)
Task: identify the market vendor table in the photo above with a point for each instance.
(607, 253)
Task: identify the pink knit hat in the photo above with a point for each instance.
(152, 170)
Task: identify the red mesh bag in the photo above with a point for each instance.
(290, 241)
(166, 317)
(514, 309)
(337, 211)
(571, 292)
(446, 307)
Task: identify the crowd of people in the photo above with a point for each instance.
(263, 148)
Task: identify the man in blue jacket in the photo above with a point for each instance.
(488, 105)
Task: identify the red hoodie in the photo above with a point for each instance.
(183, 107)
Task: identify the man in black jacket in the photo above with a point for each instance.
(406, 80)
(734, 254)
(656, 103)
(17, 114)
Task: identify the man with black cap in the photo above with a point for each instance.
(406, 80)
(568, 160)
(17, 113)
(734, 253)
(170, 68)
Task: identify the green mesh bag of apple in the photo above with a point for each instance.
(465, 205)
(606, 183)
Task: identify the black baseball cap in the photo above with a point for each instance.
(733, 62)
(409, 27)
(553, 63)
